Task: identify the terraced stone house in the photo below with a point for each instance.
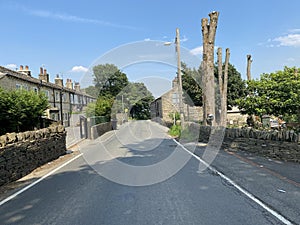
(63, 99)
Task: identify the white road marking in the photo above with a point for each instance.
(239, 188)
(37, 181)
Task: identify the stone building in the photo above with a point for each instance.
(165, 107)
(63, 99)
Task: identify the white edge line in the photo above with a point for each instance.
(37, 181)
(239, 188)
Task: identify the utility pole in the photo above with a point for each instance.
(177, 42)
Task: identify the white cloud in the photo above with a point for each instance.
(197, 50)
(293, 31)
(79, 69)
(11, 66)
(292, 40)
(66, 17)
(147, 39)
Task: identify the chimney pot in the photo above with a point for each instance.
(26, 67)
(21, 67)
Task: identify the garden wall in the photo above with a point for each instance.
(279, 144)
(21, 153)
(100, 129)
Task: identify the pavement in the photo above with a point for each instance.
(274, 182)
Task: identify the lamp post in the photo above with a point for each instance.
(177, 43)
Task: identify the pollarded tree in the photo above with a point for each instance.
(275, 94)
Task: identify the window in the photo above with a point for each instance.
(57, 96)
(18, 86)
(35, 89)
(175, 98)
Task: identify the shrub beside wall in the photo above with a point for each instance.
(21, 153)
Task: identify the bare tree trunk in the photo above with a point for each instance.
(225, 88)
(223, 83)
(249, 61)
(209, 34)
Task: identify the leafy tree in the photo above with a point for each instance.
(100, 109)
(109, 80)
(236, 87)
(275, 94)
(21, 110)
(92, 90)
(141, 109)
(136, 98)
(191, 85)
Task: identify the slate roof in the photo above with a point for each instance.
(22, 76)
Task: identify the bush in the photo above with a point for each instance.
(175, 130)
(21, 110)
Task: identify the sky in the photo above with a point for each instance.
(69, 37)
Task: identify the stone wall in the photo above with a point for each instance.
(21, 153)
(100, 129)
(278, 144)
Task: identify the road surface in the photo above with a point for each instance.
(135, 175)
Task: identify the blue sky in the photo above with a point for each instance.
(67, 37)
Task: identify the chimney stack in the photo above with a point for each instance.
(26, 71)
(69, 84)
(59, 81)
(77, 86)
(44, 76)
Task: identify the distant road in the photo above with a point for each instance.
(146, 178)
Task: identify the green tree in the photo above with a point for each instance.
(100, 109)
(236, 87)
(191, 85)
(136, 98)
(109, 80)
(92, 91)
(275, 94)
(21, 110)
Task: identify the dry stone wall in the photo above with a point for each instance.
(21, 153)
(278, 144)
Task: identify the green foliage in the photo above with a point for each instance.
(92, 91)
(191, 85)
(274, 94)
(134, 98)
(109, 80)
(175, 130)
(236, 86)
(21, 110)
(101, 108)
(176, 114)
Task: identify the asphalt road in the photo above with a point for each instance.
(135, 175)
